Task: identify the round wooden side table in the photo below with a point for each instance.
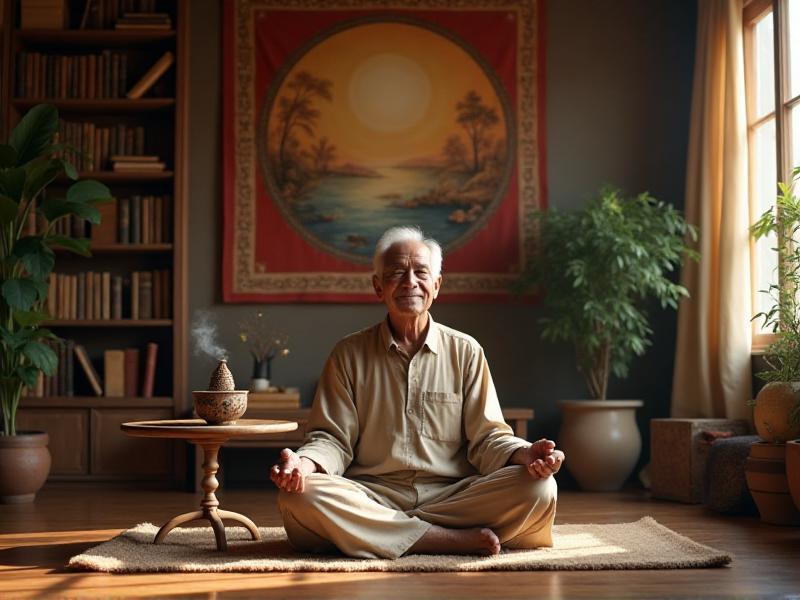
(209, 438)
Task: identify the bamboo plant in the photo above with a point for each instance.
(29, 162)
(783, 317)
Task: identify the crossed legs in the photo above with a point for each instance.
(507, 508)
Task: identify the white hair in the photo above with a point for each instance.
(396, 235)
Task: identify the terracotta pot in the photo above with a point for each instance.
(765, 471)
(601, 441)
(793, 470)
(773, 404)
(24, 466)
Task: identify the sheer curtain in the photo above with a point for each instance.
(712, 360)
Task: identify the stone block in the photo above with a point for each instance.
(678, 454)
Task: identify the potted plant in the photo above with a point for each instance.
(29, 162)
(598, 267)
(776, 410)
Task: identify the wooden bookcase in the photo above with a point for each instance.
(85, 438)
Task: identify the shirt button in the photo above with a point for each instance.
(409, 411)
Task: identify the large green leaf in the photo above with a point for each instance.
(8, 157)
(34, 133)
(42, 289)
(30, 318)
(42, 356)
(76, 245)
(88, 190)
(37, 256)
(11, 340)
(12, 183)
(40, 174)
(8, 209)
(20, 294)
(85, 211)
(28, 375)
(55, 208)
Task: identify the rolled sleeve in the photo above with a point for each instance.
(333, 423)
(490, 440)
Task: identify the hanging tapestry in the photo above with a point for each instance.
(343, 118)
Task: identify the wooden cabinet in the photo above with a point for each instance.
(85, 73)
(68, 429)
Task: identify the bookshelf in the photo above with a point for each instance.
(85, 72)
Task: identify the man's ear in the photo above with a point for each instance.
(436, 286)
(378, 287)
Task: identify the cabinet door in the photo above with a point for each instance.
(69, 436)
(118, 455)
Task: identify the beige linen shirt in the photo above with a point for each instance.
(434, 417)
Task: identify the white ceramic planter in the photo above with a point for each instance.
(601, 441)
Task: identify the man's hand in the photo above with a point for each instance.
(290, 472)
(540, 458)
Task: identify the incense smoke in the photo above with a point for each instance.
(204, 333)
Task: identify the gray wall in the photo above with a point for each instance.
(618, 83)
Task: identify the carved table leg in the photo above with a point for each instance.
(233, 516)
(209, 506)
(175, 521)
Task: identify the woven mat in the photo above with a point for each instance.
(644, 544)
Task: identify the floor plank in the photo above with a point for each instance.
(36, 541)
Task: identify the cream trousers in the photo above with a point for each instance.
(374, 518)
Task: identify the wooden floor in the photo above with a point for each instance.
(36, 540)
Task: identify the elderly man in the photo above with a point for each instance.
(407, 450)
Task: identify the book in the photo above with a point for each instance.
(114, 372)
(273, 400)
(106, 231)
(134, 158)
(135, 295)
(139, 166)
(148, 382)
(131, 371)
(116, 297)
(69, 367)
(106, 295)
(88, 369)
(151, 76)
(145, 295)
(123, 220)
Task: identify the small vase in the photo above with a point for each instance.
(261, 375)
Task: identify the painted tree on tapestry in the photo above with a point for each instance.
(404, 126)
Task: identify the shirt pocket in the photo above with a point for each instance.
(441, 416)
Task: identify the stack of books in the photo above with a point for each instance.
(137, 163)
(287, 399)
(143, 20)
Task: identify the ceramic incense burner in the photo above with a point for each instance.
(221, 403)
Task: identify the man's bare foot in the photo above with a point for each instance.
(441, 540)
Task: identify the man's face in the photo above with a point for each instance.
(407, 285)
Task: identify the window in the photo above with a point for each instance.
(772, 64)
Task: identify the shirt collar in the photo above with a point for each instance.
(431, 339)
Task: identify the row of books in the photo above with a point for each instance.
(84, 76)
(135, 220)
(104, 14)
(102, 296)
(128, 372)
(97, 144)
